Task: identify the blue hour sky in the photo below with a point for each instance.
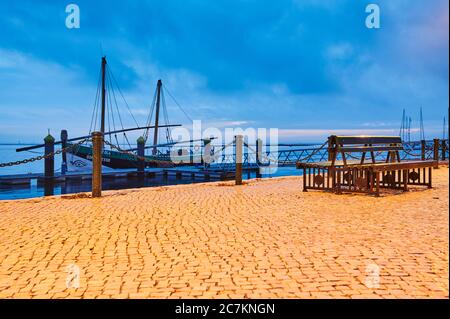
(307, 67)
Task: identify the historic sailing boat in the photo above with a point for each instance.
(79, 157)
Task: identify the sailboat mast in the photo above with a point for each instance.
(422, 130)
(158, 102)
(102, 128)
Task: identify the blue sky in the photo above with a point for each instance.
(307, 67)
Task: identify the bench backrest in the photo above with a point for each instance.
(363, 144)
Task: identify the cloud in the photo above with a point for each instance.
(288, 64)
(339, 51)
(327, 132)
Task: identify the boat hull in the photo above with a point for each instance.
(80, 158)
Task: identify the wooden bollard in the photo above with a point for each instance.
(141, 152)
(239, 145)
(206, 157)
(436, 151)
(63, 154)
(443, 149)
(49, 165)
(258, 150)
(423, 149)
(329, 148)
(97, 149)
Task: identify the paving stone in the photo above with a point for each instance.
(264, 239)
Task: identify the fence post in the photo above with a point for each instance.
(329, 148)
(63, 154)
(423, 150)
(443, 149)
(97, 149)
(239, 142)
(141, 152)
(258, 156)
(436, 151)
(49, 165)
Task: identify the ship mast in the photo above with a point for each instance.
(158, 101)
(102, 127)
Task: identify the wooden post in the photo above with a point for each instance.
(436, 151)
(443, 150)
(430, 176)
(258, 157)
(102, 120)
(239, 143)
(377, 186)
(304, 179)
(423, 146)
(49, 165)
(405, 179)
(141, 152)
(158, 102)
(63, 154)
(97, 149)
(206, 156)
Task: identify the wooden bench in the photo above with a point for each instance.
(345, 172)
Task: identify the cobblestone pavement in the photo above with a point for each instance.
(262, 239)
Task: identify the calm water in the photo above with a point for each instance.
(8, 154)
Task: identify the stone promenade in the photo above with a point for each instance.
(264, 239)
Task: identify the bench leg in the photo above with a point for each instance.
(429, 176)
(338, 184)
(377, 181)
(405, 179)
(304, 180)
(333, 179)
(371, 180)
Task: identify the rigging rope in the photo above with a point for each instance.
(107, 102)
(109, 75)
(95, 108)
(178, 104)
(115, 101)
(128, 107)
(150, 116)
(166, 117)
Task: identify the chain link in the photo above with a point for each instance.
(308, 157)
(410, 153)
(40, 157)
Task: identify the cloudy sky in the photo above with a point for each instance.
(307, 67)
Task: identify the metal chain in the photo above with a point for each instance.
(218, 154)
(307, 158)
(411, 154)
(267, 158)
(40, 157)
(276, 160)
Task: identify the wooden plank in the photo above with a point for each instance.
(362, 139)
(328, 164)
(370, 148)
(402, 165)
